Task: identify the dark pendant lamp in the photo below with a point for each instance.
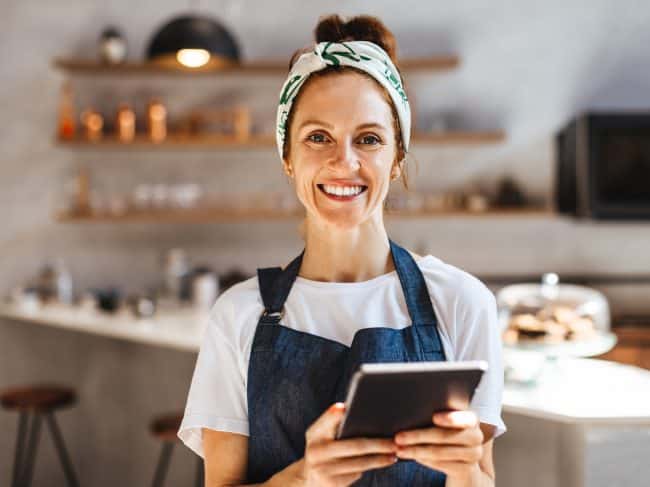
(193, 42)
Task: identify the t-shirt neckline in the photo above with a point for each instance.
(354, 285)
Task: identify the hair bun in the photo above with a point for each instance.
(360, 28)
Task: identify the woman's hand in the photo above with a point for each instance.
(329, 462)
(453, 446)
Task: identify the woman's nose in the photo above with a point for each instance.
(345, 156)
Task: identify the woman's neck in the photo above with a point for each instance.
(356, 254)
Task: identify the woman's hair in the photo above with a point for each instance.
(333, 28)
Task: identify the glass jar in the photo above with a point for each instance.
(550, 314)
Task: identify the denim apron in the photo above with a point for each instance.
(294, 376)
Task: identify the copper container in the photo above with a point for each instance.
(67, 124)
(93, 123)
(157, 121)
(125, 123)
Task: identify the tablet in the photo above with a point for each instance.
(385, 398)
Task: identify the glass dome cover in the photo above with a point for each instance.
(551, 313)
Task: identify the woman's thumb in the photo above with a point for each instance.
(326, 426)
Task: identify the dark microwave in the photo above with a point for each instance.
(603, 167)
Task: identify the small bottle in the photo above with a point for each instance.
(67, 126)
(63, 283)
(242, 123)
(175, 272)
(93, 124)
(125, 123)
(82, 192)
(157, 120)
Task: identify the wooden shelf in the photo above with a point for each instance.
(459, 138)
(263, 141)
(196, 215)
(279, 67)
(219, 215)
(142, 142)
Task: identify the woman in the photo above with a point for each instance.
(280, 348)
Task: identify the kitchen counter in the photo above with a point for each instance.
(572, 390)
(585, 423)
(587, 391)
(179, 328)
(566, 428)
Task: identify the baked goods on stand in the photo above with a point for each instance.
(543, 322)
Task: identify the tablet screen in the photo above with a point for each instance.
(386, 398)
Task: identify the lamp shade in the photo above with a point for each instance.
(193, 41)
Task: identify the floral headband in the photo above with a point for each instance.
(363, 55)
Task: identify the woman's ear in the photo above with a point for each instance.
(287, 168)
(396, 170)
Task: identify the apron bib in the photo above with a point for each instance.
(294, 376)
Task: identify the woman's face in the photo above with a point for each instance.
(342, 141)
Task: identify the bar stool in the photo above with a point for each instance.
(165, 429)
(39, 401)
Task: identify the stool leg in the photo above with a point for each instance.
(34, 435)
(163, 463)
(20, 447)
(60, 448)
(199, 472)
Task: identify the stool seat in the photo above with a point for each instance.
(166, 426)
(36, 403)
(39, 397)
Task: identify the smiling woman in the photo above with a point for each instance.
(281, 348)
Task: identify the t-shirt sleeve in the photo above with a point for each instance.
(477, 338)
(217, 395)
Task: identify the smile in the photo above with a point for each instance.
(342, 193)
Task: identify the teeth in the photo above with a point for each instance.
(342, 190)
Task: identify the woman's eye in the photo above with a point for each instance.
(370, 140)
(316, 138)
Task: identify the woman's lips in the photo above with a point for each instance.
(341, 198)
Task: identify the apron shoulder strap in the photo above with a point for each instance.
(414, 287)
(275, 284)
(267, 278)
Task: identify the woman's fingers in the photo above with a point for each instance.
(456, 419)
(440, 436)
(432, 454)
(350, 448)
(357, 464)
(324, 428)
(333, 462)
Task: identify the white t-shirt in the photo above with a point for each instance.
(467, 323)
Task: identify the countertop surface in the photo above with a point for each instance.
(586, 391)
(179, 328)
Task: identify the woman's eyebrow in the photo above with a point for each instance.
(325, 124)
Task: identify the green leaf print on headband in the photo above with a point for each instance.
(397, 84)
(351, 54)
(290, 89)
(283, 122)
(288, 94)
(331, 56)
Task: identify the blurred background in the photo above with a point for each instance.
(138, 182)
